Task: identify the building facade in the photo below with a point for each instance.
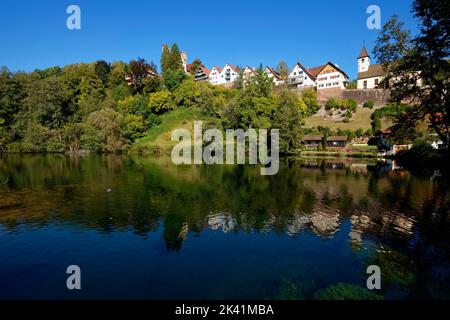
(331, 77)
(301, 76)
(370, 76)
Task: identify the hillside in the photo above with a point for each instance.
(360, 120)
(158, 138)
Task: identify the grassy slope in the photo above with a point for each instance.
(158, 138)
(361, 119)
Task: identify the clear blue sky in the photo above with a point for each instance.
(33, 34)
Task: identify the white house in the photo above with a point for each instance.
(214, 75)
(229, 74)
(248, 73)
(369, 75)
(330, 76)
(202, 74)
(226, 75)
(301, 76)
(274, 75)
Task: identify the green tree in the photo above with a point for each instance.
(195, 65)
(419, 67)
(102, 70)
(175, 62)
(160, 102)
(11, 95)
(309, 96)
(92, 94)
(264, 84)
(288, 119)
(283, 69)
(173, 79)
(119, 71)
(165, 59)
(107, 124)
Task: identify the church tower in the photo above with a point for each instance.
(363, 61)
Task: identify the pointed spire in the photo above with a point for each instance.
(363, 53)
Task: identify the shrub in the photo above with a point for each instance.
(331, 104)
(359, 133)
(369, 104)
(160, 102)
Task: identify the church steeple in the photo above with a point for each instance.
(363, 53)
(363, 60)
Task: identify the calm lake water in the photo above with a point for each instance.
(141, 227)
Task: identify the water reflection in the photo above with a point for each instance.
(382, 205)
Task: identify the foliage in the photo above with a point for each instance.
(160, 102)
(173, 79)
(369, 104)
(309, 96)
(346, 291)
(418, 67)
(287, 118)
(195, 65)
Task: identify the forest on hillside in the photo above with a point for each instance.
(105, 107)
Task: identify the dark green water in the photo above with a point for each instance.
(143, 228)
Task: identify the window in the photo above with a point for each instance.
(363, 60)
(376, 82)
(365, 84)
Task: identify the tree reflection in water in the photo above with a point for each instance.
(399, 221)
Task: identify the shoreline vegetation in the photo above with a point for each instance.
(133, 107)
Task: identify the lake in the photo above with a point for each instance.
(143, 228)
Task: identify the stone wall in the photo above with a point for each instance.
(379, 96)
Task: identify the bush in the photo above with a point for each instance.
(350, 104)
(160, 102)
(359, 133)
(331, 104)
(369, 104)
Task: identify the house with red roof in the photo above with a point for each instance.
(202, 74)
(330, 76)
(274, 75)
(214, 75)
(248, 73)
(300, 76)
(229, 74)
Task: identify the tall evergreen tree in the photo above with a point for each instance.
(165, 58)
(175, 58)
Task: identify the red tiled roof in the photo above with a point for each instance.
(233, 67)
(314, 71)
(219, 69)
(205, 70)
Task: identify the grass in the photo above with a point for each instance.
(158, 138)
(360, 120)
